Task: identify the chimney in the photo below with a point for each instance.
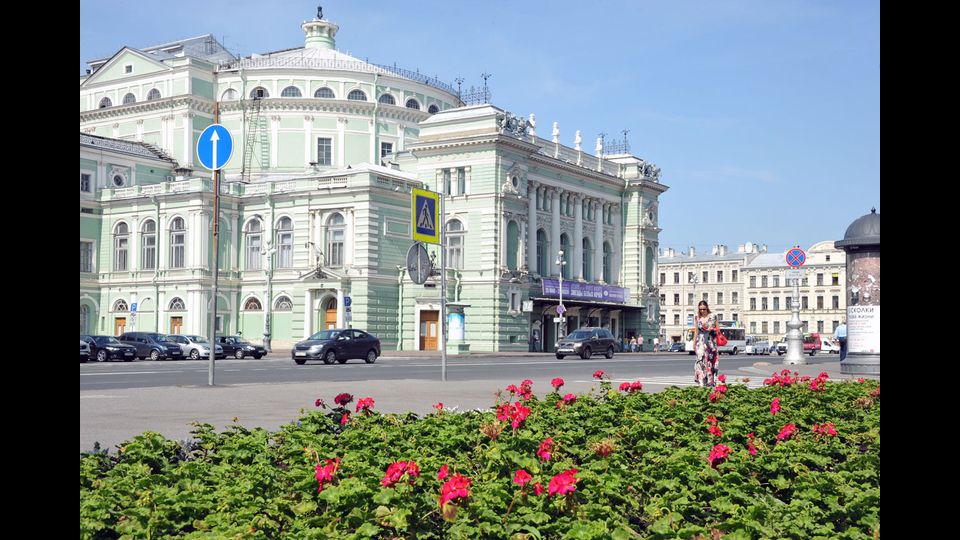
(763, 249)
(749, 247)
(693, 252)
(723, 249)
(740, 248)
(715, 250)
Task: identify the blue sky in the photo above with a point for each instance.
(764, 116)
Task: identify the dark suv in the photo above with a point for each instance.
(337, 346)
(587, 342)
(152, 344)
(104, 348)
(238, 348)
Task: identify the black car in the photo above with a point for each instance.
(238, 348)
(587, 342)
(337, 345)
(152, 344)
(104, 348)
(676, 347)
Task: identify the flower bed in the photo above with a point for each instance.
(606, 464)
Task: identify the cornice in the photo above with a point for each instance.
(161, 105)
(336, 106)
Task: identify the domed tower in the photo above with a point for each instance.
(320, 33)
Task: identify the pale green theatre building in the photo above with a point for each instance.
(316, 204)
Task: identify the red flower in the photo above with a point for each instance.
(521, 477)
(825, 429)
(343, 399)
(397, 470)
(861, 380)
(345, 418)
(635, 386)
(438, 406)
(515, 412)
(712, 419)
(715, 431)
(786, 432)
(775, 406)
(319, 403)
(537, 489)
(750, 447)
(557, 383)
(443, 473)
(720, 391)
(718, 455)
(569, 398)
(455, 488)
(722, 378)
(365, 405)
(625, 387)
(876, 393)
(513, 389)
(563, 483)
(598, 374)
(324, 473)
(545, 447)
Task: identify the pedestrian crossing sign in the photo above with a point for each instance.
(426, 216)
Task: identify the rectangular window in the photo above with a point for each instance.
(324, 151)
(706, 297)
(763, 281)
(804, 282)
(819, 302)
(806, 326)
(253, 252)
(776, 303)
(819, 279)
(753, 304)
(676, 319)
(820, 326)
(663, 278)
(804, 304)
(706, 275)
(514, 301)
(836, 302)
(285, 253)
(86, 256)
(663, 319)
(386, 148)
(676, 278)
(776, 327)
(676, 299)
(461, 181)
(690, 299)
(789, 304)
(85, 182)
(764, 327)
(447, 188)
(763, 303)
(776, 280)
(120, 259)
(736, 317)
(753, 327)
(753, 281)
(835, 279)
(148, 254)
(734, 275)
(835, 325)
(689, 277)
(128, 68)
(719, 298)
(719, 276)
(736, 297)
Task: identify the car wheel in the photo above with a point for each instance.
(154, 355)
(560, 356)
(194, 354)
(239, 354)
(609, 352)
(371, 356)
(102, 356)
(330, 357)
(300, 361)
(586, 353)
(734, 351)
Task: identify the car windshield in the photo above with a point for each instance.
(580, 334)
(170, 339)
(108, 341)
(326, 334)
(197, 339)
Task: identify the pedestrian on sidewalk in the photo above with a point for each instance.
(841, 336)
(656, 344)
(705, 332)
(633, 344)
(640, 343)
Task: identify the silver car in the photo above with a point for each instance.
(195, 347)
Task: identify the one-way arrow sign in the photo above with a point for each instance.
(214, 147)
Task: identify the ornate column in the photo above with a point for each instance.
(307, 313)
(189, 148)
(555, 232)
(578, 238)
(532, 188)
(598, 242)
(616, 256)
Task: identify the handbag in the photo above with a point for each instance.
(721, 339)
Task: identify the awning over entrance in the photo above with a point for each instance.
(588, 304)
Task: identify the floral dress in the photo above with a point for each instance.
(707, 365)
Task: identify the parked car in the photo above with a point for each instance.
(782, 347)
(828, 345)
(195, 347)
(84, 352)
(677, 347)
(337, 345)
(757, 346)
(238, 348)
(151, 344)
(104, 348)
(811, 344)
(586, 342)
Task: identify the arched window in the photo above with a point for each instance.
(542, 264)
(105, 102)
(587, 260)
(285, 243)
(567, 255)
(433, 109)
(120, 305)
(121, 242)
(253, 234)
(129, 98)
(455, 233)
(230, 95)
(291, 91)
(252, 304)
(283, 303)
(153, 94)
(336, 233)
(387, 99)
(84, 318)
(148, 245)
(607, 263)
(413, 104)
(259, 93)
(513, 244)
(178, 240)
(357, 95)
(177, 305)
(324, 93)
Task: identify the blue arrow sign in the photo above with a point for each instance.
(214, 147)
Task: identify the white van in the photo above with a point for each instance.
(757, 346)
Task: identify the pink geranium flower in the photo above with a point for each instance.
(775, 406)
(442, 473)
(786, 432)
(365, 405)
(718, 455)
(598, 374)
(563, 483)
(522, 477)
(715, 431)
(397, 470)
(325, 473)
(557, 383)
(537, 489)
(345, 418)
(455, 488)
(544, 451)
(438, 406)
(343, 399)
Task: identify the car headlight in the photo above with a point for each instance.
(315, 348)
(577, 345)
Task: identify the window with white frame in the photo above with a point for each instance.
(252, 304)
(253, 242)
(387, 99)
(776, 327)
(386, 148)
(86, 185)
(128, 68)
(178, 239)
(324, 151)
(455, 233)
(336, 234)
(542, 264)
(86, 256)
(259, 93)
(153, 95)
(129, 99)
(283, 303)
(148, 245)
(776, 303)
(753, 327)
(514, 301)
(84, 318)
(736, 297)
(676, 319)
(719, 299)
(461, 181)
(285, 243)
(324, 93)
(357, 95)
(230, 94)
(120, 305)
(291, 92)
(733, 276)
(413, 104)
(433, 109)
(447, 187)
(764, 326)
(177, 304)
(105, 102)
(121, 243)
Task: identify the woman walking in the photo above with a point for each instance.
(705, 333)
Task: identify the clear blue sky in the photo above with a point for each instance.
(763, 115)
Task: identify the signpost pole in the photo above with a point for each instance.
(795, 258)
(443, 291)
(216, 252)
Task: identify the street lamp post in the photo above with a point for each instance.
(561, 324)
(268, 301)
(695, 280)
